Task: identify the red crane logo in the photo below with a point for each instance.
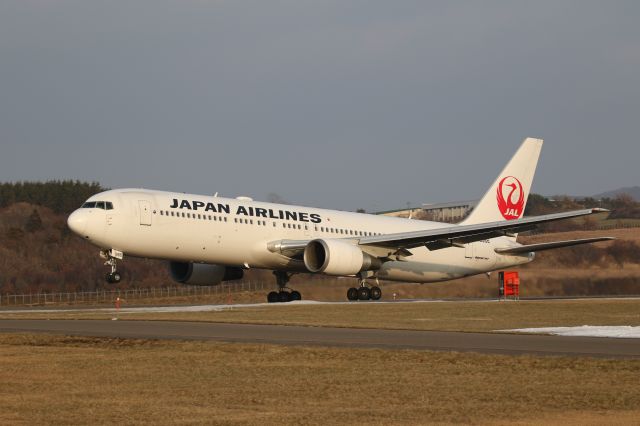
(511, 206)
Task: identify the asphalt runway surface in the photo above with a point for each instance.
(494, 343)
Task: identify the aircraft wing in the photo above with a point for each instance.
(548, 246)
(435, 239)
(447, 236)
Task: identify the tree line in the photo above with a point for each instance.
(623, 206)
(61, 196)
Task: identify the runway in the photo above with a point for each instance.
(493, 343)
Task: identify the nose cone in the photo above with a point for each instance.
(77, 222)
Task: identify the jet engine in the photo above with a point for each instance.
(203, 273)
(336, 257)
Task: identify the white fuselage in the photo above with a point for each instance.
(237, 232)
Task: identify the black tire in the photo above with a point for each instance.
(116, 277)
(109, 278)
(295, 295)
(352, 294)
(376, 293)
(364, 293)
(284, 297)
(272, 297)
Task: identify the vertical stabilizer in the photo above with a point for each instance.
(507, 197)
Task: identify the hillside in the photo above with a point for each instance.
(48, 257)
(632, 191)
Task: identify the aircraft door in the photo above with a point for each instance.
(145, 212)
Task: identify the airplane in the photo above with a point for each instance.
(211, 239)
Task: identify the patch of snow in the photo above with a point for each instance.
(201, 308)
(620, 332)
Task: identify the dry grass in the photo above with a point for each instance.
(76, 380)
(453, 316)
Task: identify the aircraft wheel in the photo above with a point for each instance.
(376, 293)
(284, 296)
(295, 295)
(114, 277)
(272, 297)
(352, 294)
(364, 293)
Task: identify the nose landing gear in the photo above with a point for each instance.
(111, 256)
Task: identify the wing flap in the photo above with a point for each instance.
(549, 246)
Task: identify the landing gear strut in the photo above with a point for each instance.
(111, 256)
(364, 292)
(284, 294)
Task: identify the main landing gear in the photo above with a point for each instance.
(111, 256)
(284, 294)
(364, 292)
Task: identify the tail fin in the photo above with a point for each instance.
(507, 197)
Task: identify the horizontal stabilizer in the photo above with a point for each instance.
(548, 246)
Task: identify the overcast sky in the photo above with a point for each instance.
(340, 104)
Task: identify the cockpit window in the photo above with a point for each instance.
(104, 205)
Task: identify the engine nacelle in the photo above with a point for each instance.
(335, 257)
(203, 273)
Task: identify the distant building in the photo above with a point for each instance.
(451, 212)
